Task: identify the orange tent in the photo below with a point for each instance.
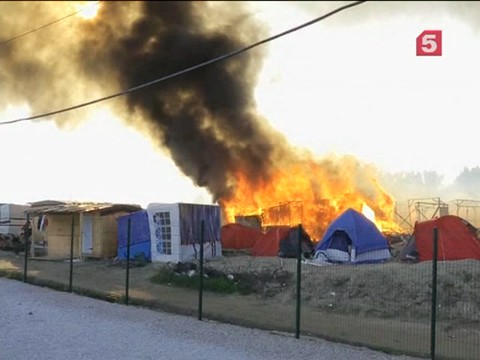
(269, 244)
(237, 236)
(457, 239)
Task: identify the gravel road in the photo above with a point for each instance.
(39, 323)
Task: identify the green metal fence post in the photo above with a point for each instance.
(127, 277)
(434, 294)
(70, 281)
(299, 284)
(200, 287)
(26, 236)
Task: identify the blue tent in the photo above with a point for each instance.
(139, 236)
(352, 238)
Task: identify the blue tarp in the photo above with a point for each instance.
(353, 229)
(139, 235)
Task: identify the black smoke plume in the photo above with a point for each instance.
(206, 118)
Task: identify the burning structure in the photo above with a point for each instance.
(205, 120)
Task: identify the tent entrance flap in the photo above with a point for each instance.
(341, 241)
(339, 248)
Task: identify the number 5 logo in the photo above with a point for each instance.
(429, 43)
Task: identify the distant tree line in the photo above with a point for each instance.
(405, 185)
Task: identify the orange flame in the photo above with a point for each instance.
(370, 215)
(89, 10)
(310, 192)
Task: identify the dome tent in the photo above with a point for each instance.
(352, 238)
(457, 240)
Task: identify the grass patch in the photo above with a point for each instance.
(264, 283)
(221, 284)
(11, 274)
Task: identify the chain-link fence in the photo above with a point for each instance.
(426, 308)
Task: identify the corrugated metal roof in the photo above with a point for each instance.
(74, 207)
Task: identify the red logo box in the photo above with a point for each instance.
(429, 43)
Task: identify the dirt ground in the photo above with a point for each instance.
(381, 306)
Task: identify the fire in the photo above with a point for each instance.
(88, 11)
(370, 215)
(312, 193)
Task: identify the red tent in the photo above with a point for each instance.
(457, 239)
(269, 244)
(237, 236)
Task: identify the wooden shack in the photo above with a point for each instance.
(89, 229)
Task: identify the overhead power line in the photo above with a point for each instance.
(3, 42)
(181, 72)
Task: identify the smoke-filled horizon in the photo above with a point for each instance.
(206, 120)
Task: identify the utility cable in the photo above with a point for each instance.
(181, 72)
(3, 42)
